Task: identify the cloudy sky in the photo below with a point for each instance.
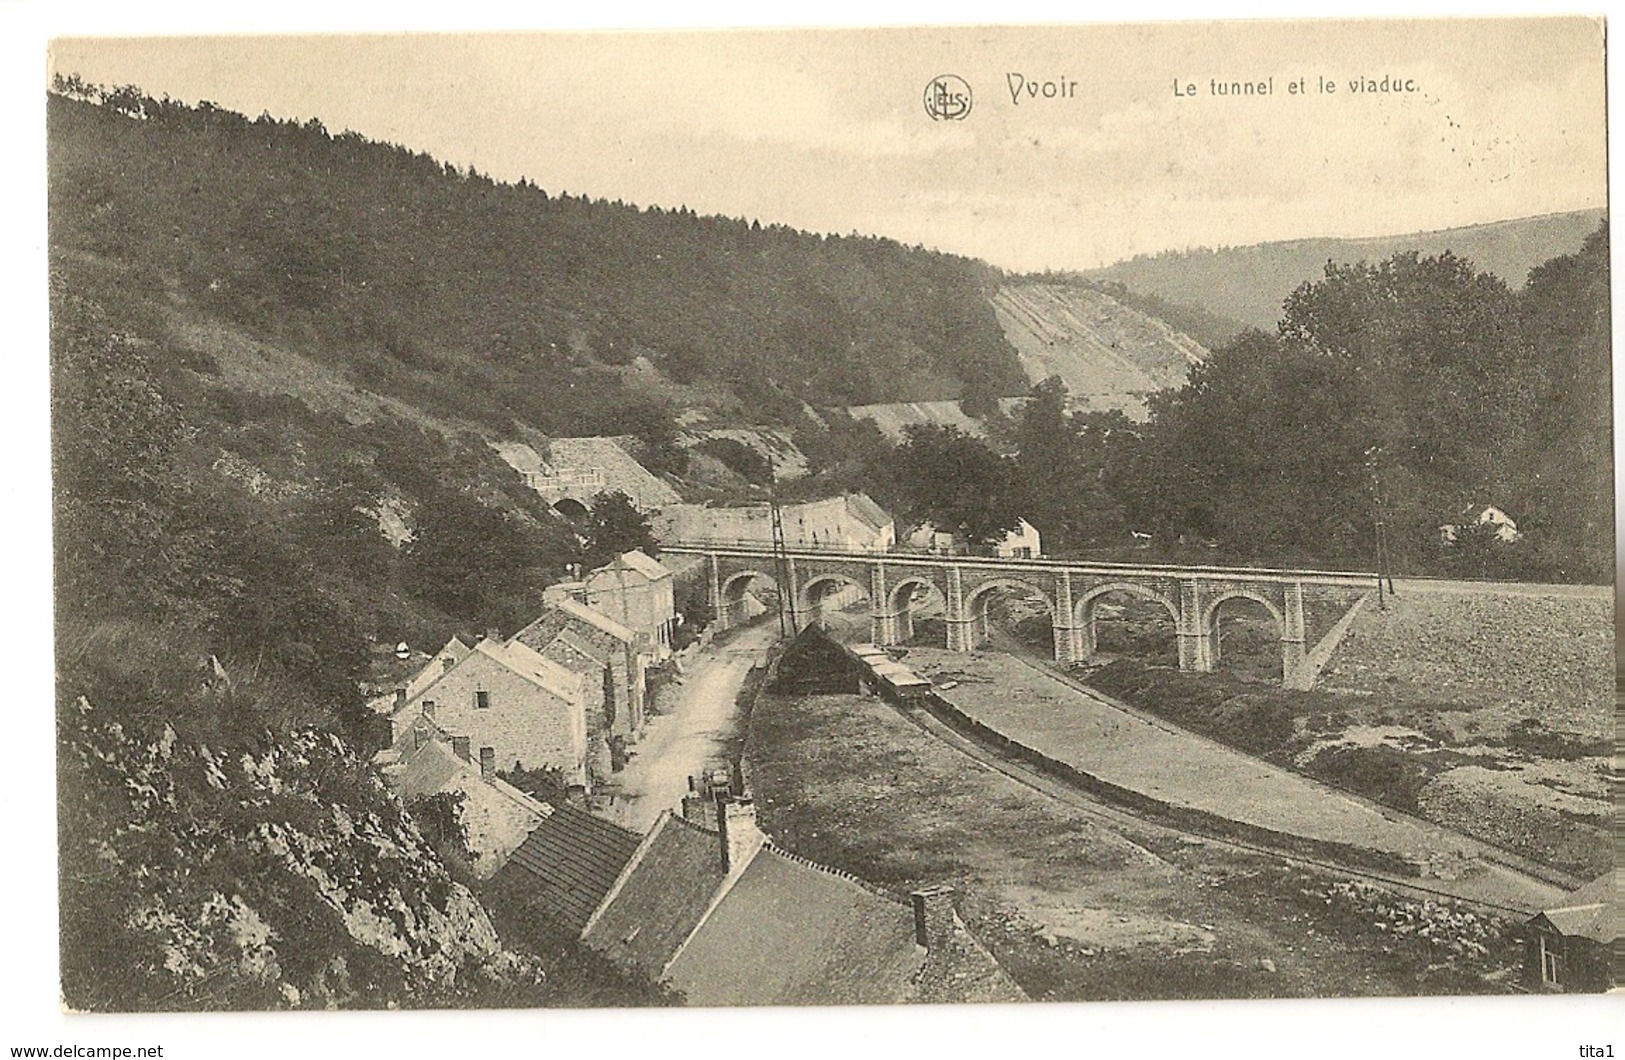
(827, 130)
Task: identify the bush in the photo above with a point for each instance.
(1385, 774)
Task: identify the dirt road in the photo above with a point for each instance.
(699, 719)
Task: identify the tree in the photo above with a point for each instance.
(1419, 361)
(1061, 466)
(944, 477)
(615, 525)
(1565, 481)
(480, 565)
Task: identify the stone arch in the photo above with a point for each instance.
(732, 590)
(1239, 593)
(899, 600)
(894, 617)
(978, 596)
(1084, 609)
(1085, 633)
(811, 600)
(572, 509)
(1210, 619)
(977, 625)
(734, 585)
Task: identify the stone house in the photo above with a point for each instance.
(612, 658)
(1503, 525)
(708, 906)
(634, 590)
(1573, 948)
(1023, 542)
(496, 816)
(513, 705)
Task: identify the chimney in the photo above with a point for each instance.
(933, 917)
(493, 633)
(737, 833)
(428, 709)
(460, 747)
(400, 698)
(488, 762)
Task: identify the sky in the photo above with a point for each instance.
(827, 129)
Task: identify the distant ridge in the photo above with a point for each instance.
(1250, 283)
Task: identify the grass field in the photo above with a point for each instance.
(1077, 908)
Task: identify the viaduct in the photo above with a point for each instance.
(1300, 602)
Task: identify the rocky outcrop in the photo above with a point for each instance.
(195, 877)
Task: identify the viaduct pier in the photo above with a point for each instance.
(1070, 590)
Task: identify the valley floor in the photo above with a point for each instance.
(1078, 906)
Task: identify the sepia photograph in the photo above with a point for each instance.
(825, 520)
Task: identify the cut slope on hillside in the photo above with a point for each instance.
(1108, 355)
(1250, 283)
(892, 419)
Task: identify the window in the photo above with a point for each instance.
(482, 700)
(1548, 963)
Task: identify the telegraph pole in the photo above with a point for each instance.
(781, 562)
(1379, 515)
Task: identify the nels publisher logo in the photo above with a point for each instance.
(947, 98)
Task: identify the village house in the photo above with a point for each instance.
(1504, 527)
(849, 523)
(566, 866)
(514, 706)
(613, 659)
(636, 591)
(708, 906)
(496, 816)
(1021, 543)
(1573, 948)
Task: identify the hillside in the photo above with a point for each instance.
(1109, 355)
(1250, 283)
(893, 418)
(505, 302)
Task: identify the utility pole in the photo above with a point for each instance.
(781, 562)
(1379, 515)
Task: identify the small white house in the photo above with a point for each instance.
(1481, 515)
(1020, 543)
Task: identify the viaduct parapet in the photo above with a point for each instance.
(1071, 591)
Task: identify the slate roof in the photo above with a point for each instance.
(496, 815)
(637, 561)
(598, 620)
(864, 507)
(663, 897)
(1592, 912)
(569, 862)
(587, 631)
(789, 932)
(521, 659)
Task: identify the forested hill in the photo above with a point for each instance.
(1250, 284)
(479, 300)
